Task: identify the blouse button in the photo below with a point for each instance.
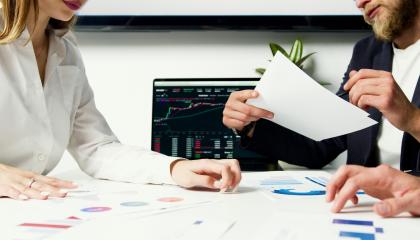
(41, 157)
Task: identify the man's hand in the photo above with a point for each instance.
(237, 114)
(399, 192)
(378, 89)
(213, 174)
(22, 185)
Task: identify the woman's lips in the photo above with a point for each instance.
(73, 5)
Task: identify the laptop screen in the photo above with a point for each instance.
(187, 118)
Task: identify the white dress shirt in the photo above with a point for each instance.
(40, 123)
(406, 71)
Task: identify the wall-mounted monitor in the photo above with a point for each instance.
(304, 15)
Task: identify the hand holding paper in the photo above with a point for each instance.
(302, 105)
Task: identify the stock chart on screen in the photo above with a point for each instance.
(187, 119)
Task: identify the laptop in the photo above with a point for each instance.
(187, 121)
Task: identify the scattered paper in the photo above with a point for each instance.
(302, 105)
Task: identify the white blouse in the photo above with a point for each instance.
(39, 123)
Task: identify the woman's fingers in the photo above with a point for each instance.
(55, 182)
(8, 191)
(222, 170)
(22, 185)
(204, 181)
(30, 192)
(235, 169)
(221, 174)
(53, 191)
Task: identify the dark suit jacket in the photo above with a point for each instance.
(280, 143)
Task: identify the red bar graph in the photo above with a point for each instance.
(41, 225)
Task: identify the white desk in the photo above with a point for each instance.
(253, 214)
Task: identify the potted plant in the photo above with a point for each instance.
(295, 55)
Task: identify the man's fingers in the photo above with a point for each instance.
(338, 180)
(363, 74)
(249, 110)
(393, 206)
(239, 116)
(234, 123)
(346, 193)
(355, 200)
(245, 95)
(352, 73)
(365, 87)
(367, 101)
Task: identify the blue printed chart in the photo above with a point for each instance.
(325, 226)
(285, 185)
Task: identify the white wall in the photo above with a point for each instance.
(122, 66)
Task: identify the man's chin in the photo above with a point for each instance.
(382, 33)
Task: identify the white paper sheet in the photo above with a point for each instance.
(96, 200)
(290, 185)
(302, 105)
(298, 226)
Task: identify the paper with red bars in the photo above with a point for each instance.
(43, 229)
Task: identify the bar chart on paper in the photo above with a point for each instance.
(357, 229)
(97, 200)
(280, 185)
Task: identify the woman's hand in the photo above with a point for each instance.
(213, 174)
(23, 185)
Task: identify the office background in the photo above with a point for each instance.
(121, 67)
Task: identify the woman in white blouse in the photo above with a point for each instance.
(47, 106)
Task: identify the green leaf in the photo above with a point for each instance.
(300, 62)
(260, 70)
(324, 83)
(277, 48)
(300, 51)
(296, 51)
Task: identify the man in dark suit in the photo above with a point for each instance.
(381, 78)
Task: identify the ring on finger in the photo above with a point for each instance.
(30, 183)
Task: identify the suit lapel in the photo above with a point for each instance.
(416, 97)
(410, 154)
(381, 61)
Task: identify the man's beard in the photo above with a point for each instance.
(394, 20)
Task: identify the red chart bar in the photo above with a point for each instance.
(40, 225)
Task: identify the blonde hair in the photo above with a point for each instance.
(15, 13)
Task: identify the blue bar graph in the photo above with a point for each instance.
(362, 224)
(357, 235)
(353, 222)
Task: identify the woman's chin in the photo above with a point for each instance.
(65, 17)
